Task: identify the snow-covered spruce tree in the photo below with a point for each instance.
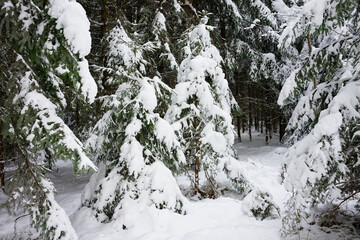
(137, 150)
(322, 165)
(200, 114)
(162, 40)
(167, 64)
(44, 43)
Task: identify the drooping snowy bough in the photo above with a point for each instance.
(37, 77)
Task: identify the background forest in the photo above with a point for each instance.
(141, 93)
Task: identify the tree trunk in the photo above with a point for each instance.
(243, 123)
(250, 114)
(222, 29)
(267, 128)
(282, 127)
(256, 117)
(187, 6)
(197, 149)
(238, 121)
(105, 16)
(238, 118)
(262, 120)
(2, 165)
(270, 125)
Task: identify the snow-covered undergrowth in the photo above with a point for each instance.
(226, 217)
(223, 218)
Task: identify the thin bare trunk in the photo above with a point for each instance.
(250, 115)
(262, 120)
(282, 127)
(2, 165)
(309, 42)
(243, 124)
(267, 130)
(238, 127)
(238, 118)
(197, 149)
(250, 120)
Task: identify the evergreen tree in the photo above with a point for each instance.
(44, 71)
(135, 147)
(200, 114)
(167, 65)
(321, 163)
(201, 107)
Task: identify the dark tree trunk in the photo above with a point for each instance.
(238, 118)
(267, 128)
(238, 121)
(262, 120)
(282, 127)
(270, 126)
(256, 116)
(250, 114)
(243, 123)
(197, 149)
(2, 164)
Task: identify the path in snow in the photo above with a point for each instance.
(263, 164)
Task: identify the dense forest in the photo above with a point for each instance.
(141, 93)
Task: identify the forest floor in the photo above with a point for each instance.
(210, 219)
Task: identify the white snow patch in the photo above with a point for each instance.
(131, 152)
(147, 95)
(88, 84)
(215, 139)
(159, 21)
(71, 17)
(288, 87)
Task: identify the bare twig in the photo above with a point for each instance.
(212, 185)
(15, 222)
(343, 201)
(27, 163)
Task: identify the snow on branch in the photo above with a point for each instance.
(49, 123)
(71, 17)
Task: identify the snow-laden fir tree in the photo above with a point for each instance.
(137, 150)
(200, 114)
(44, 44)
(322, 165)
(194, 113)
(167, 64)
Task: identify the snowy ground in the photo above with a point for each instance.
(208, 219)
